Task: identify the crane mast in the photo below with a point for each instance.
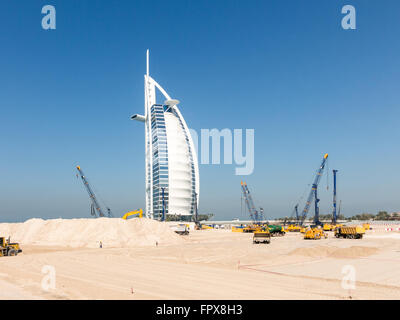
(249, 202)
(95, 207)
(314, 194)
(296, 211)
(334, 216)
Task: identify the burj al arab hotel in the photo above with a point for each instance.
(172, 173)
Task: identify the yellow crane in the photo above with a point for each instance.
(132, 213)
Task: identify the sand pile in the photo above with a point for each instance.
(113, 232)
(335, 252)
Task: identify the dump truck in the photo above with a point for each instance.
(7, 248)
(350, 232)
(262, 236)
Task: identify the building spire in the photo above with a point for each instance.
(147, 62)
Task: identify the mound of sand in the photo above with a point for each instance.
(335, 252)
(113, 232)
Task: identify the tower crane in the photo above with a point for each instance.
(314, 195)
(249, 203)
(94, 207)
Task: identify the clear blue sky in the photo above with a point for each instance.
(285, 68)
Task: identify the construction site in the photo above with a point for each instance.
(135, 257)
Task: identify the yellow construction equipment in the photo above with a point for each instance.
(293, 228)
(250, 229)
(350, 232)
(366, 226)
(7, 248)
(237, 229)
(328, 227)
(132, 213)
(262, 236)
(303, 229)
(315, 234)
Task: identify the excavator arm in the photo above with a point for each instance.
(132, 213)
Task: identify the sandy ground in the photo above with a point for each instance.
(210, 264)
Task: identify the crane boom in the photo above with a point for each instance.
(313, 194)
(249, 202)
(95, 204)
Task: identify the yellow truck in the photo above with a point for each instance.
(262, 236)
(350, 232)
(7, 248)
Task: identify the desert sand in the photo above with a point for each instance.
(144, 259)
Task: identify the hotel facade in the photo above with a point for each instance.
(171, 166)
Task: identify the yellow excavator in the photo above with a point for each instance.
(132, 213)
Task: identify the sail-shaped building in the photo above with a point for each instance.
(172, 173)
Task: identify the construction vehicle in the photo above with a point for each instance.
(133, 213)
(262, 236)
(311, 234)
(276, 230)
(94, 206)
(250, 229)
(333, 225)
(237, 229)
(366, 226)
(292, 228)
(350, 232)
(181, 229)
(254, 215)
(314, 234)
(7, 248)
(314, 195)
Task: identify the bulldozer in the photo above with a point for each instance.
(315, 234)
(7, 248)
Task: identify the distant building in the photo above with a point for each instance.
(172, 173)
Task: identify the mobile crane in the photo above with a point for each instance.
(256, 217)
(249, 203)
(95, 206)
(294, 227)
(314, 195)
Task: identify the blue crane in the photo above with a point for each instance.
(334, 216)
(314, 194)
(94, 207)
(249, 203)
(296, 212)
